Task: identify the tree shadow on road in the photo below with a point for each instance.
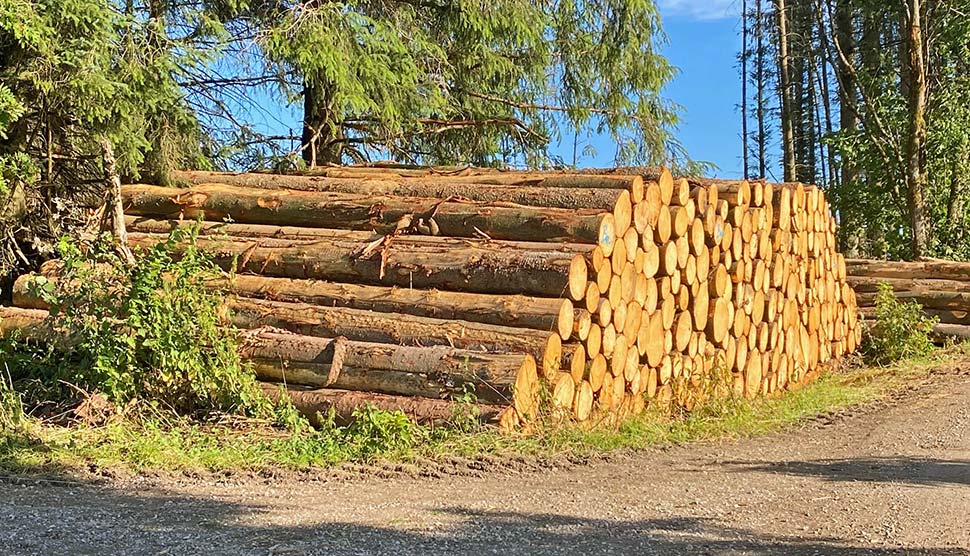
(91, 519)
(897, 469)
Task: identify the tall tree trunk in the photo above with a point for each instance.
(802, 53)
(322, 140)
(958, 187)
(818, 102)
(814, 167)
(914, 83)
(744, 86)
(832, 179)
(847, 116)
(784, 61)
(760, 80)
(870, 57)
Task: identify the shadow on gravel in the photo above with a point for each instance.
(917, 471)
(73, 519)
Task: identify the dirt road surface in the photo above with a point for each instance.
(890, 479)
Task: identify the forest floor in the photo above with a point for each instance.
(887, 477)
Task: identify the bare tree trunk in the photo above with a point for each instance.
(760, 72)
(818, 93)
(916, 89)
(114, 203)
(807, 136)
(826, 95)
(847, 115)
(958, 187)
(744, 86)
(787, 125)
(870, 57)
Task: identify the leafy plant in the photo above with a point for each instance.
(374, 431)
(16, 167)
(152, 332)
(466, 415)
(11, 109)
(900, 331)
(11, 406)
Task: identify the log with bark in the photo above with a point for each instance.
(517, 311)
(449, 264)
(392, 328)
(579, 193)
(317, 404)
(385, 214)
(429, 371)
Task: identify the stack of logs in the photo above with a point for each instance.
(942, 288)
(568, 295)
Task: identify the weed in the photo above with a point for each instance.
(900, 331)
(466, 415)
(11, 406)
(373, 431)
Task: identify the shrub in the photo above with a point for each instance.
(150, 332)
(900, 331)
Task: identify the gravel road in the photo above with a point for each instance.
(893, 479)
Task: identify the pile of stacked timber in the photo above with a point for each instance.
(571, 295)
(942, 288)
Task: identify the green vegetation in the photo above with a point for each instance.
(11, 407)
(151, 333)
(143, 442)
(245, 444)
(901, 330)
(484, 83)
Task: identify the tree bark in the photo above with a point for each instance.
(301, 235)
(364, 212)
(914, 84)
(957, 193)
(744, 87)
(870, 284)
(322, 140)
(943, 270)
(539, 195)
(760, 72)
(328, 179)
(517, 311)
(451, 265)
(848, 121)
(929, 299)
(115, 203)
(784, 70)
(389, 328)
(429, 371)
(429, 411)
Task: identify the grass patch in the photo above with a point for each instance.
(183, 444)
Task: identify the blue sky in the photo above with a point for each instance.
(704, 40)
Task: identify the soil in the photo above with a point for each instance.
(890, 478)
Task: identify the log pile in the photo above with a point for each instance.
(942, 288)
(582, 296)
